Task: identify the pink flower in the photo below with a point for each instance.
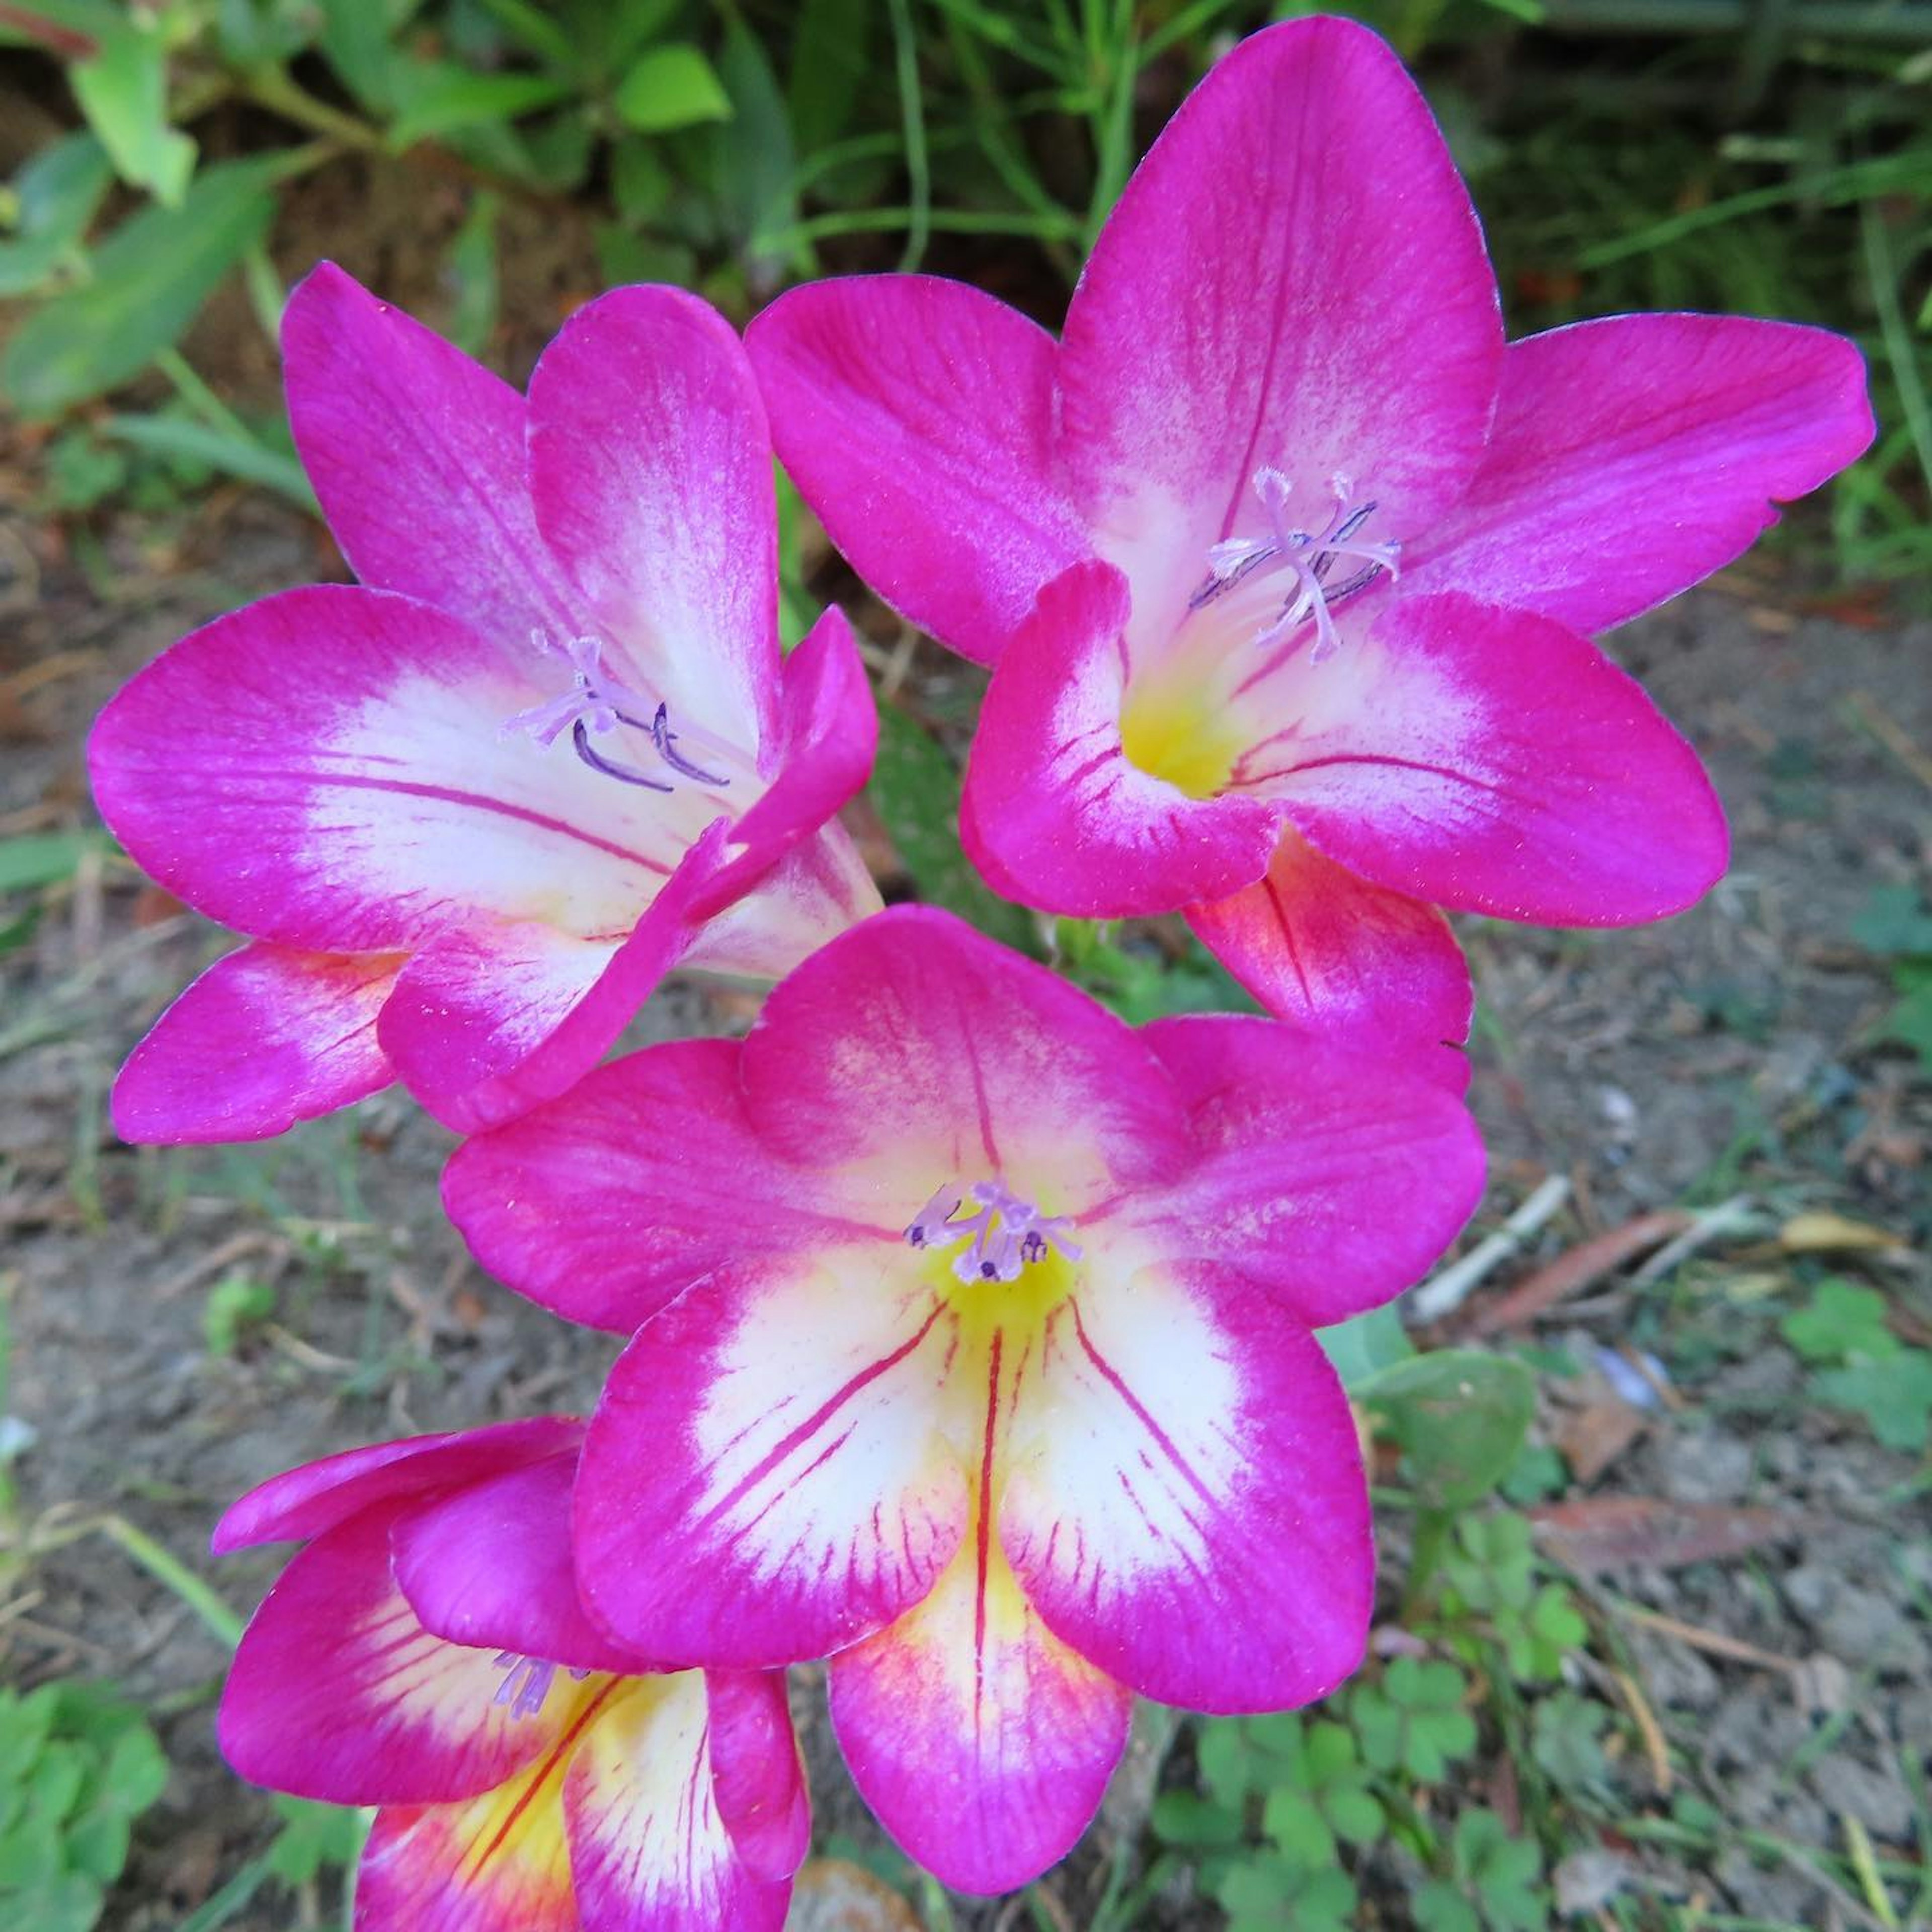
(471, 811)
(426, 1655)
(975, 1349)
(1283, 561)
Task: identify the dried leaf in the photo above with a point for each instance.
(1825, 1234)
(1593, 1533)
(1593, 1437)
(1577, 1269)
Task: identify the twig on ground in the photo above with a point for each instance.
(1715, 1642)
(1737, 1216)
(1445, 1292)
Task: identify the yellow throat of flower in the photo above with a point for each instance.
(1179, 736)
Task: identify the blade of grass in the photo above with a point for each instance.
(1895, 333)
(912, 118)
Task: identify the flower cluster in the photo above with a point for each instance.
(970, 1332)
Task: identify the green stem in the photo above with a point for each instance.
(168, 1571)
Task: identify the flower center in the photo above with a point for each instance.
(1307, 556)
(598, 703)
(1004, 1236)
(526, 1682)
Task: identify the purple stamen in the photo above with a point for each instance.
(526, 1682)
(1307, 556)
(1007, 1234)
(598, 703)
(580, 736)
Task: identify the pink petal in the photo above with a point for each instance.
(650, 468)
(756, 1778)
(303, 1502)
(1633, 455)
(1493, 761)
(1293, 279)
(338, 1693)
(264, 1038)
(503, 1861)
(983, 1743)
(1318, 946)
(819, 888)
(489, 1565)
(821, 752)
(649, 1849)
(472, 1009)
(417, 454)
(915, 415)
(923, 1053)
(489, 1022)
(1056, 815)
(763, 1482)
(1332, 1176)
(324, 770)
(1185, 1505)
(608, 1203)
(454, 1868)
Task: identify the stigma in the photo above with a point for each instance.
(1308, 558)
(1005, 1235)
(597, 703)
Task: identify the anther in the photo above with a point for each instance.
(526, 1682)
(1006, 1235)
(1307, 556)
(597, 703)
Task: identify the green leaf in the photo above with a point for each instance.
(533, 29)
(1439, 1906)
(1893, 1395)
(1841, 1321)
(151, 277)
(30, 1852)
(1263, 1894)
(915, 789)
(1414, 1721)
(471, 266)
(1460, 1416)
(753, 167)
(438, 97)
(831, 67)
(1909, 1022)
(54, 1784)
(25, 1724)
(1184, 1818)
(181, 440)
(1300, 1832)
(235, 1304)
(313, 1836)
(670, 87)
(31, 859)
(356, 42)
(69, 1901)
(1893, 920)
(56, 196)
(96, 1844)
(1362, 1347)
(1566, 1734)
(136, 1772)
(123, 91)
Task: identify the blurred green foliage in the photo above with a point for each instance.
(1776, 161)
(77, 1767)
